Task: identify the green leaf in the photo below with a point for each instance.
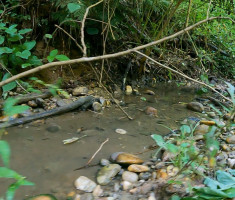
(92, 31)
(53, 53)
(172, 148)
(15, 37)
(26, 30)
(8, 86)
(5, 152)
(13, 187)
(16, 110)
(11, 29)
(50, 58)
(24, 54)
(2, 39)
(48, 36)
(5, 50)
(185, 129)
(34, 60)
(8, 173)
(62, 57)
(29, 45)
(175, 197)
(25, 65)
(159, 140)
(73, 7)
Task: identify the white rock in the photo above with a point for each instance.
(85, 184)
(129, 176)
(152, 196)
(98, 192)
(121, 131)
(126, 185)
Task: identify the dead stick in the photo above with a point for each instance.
(114, 55)
(97, 151)
(185, 76)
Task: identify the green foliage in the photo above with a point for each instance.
(54, 55)
(6, 172)
(222, 188)
(10, 109)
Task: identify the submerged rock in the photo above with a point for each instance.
(98, 191)
(85, 184)
(106, 173)
(195, 106)
(42, 197)
(127, 158)
(149, 92)
(53, 128)
(63, 102)
(151, 111)
(32, 104)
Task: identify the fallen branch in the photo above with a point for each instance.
(114, 55)
(185, 76)
(88, 163)
(48, 113)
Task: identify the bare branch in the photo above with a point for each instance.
(107, 56)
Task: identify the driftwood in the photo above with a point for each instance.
(49, 113)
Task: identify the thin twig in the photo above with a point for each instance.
(75, 41)
(107, 56)
(17, 82)
(208, 10)
(185, 76)
(83, 25)
(97, 151)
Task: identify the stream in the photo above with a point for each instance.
(41, 156)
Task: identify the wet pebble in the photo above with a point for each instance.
(195, 106)
(106, 173)
(40, 102)
(138, 168)
(84, 184)
(126, 158)
(97, 107)
(144, 175)
(231, 163)
(87, 196)
(129, 176)
(126, 185)
(98, 191)
(104, 162)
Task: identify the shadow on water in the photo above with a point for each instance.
(43, 158)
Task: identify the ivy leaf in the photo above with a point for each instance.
(5, 50)
(159, 140)
(34, 60)
(50, 58)
(2, 39)
(29, 45)
(92, 31)
(11, 29)
(24, 54)
(26, 30)
(61, 57)
(8, 86)
(73, 7)
(5, 152)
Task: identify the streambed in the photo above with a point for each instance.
(41, 156)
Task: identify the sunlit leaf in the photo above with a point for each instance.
(73, 7)
(5, 152)
(8, 86)
(62, 57)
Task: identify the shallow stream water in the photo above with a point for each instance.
(41, 156)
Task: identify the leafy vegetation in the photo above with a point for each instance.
(6, 172)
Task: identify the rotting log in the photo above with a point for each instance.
(56, 111)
